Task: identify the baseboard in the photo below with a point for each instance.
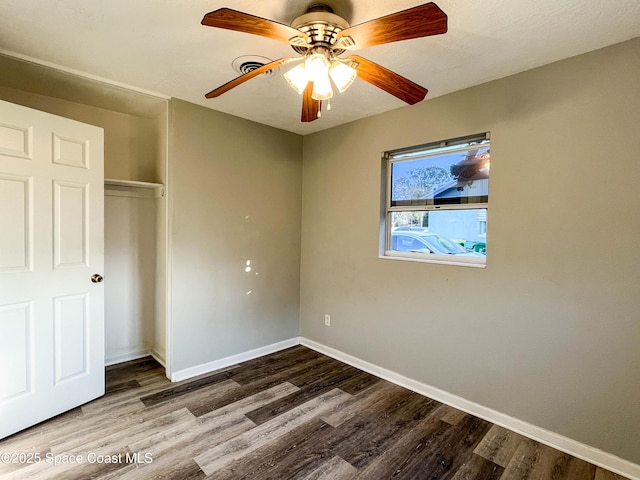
(158, 357)
(232, 360)
(552, 439)
(127, 357)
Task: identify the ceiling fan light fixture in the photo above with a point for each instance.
(297, 78)
(320, 37)
(342, 75)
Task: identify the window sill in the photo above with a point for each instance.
(438, 259)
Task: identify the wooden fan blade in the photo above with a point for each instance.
(243, 22)
(389, 81)
(247, 76)
(421, 21)
(310, 106)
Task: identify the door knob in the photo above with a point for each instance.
(97, 278)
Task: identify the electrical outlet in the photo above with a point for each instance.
(327, 320)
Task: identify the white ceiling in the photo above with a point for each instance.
(159, 46)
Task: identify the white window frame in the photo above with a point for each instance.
(422, 151)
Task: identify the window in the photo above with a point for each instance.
(435, 201)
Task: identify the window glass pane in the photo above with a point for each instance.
(442, 177)
(446, 232)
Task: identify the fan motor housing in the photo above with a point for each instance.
(321, 26)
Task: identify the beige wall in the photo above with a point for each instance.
(549, 332)
(130, 269)
(235, 196)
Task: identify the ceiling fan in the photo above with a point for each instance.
(320, 37)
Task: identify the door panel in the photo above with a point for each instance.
(70, 151)
(15, 337)
(16, 141)
(16, 218)
(51, 314)
(70, 224)
(71, 335)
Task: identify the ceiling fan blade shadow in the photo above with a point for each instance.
(247, 76)
(389, 81)
(421, 21)
(310, 106)
(243, 22)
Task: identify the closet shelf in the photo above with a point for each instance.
(131, 183)
(132, 188)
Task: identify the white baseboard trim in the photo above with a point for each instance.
(127, 357)
(232, 360)
(135, 356)
(552, 439)
(158, 356)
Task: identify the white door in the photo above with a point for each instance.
(51, 243)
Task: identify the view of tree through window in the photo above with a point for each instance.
(420, 182)
(437, 198)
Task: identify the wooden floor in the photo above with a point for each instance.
(295, 414)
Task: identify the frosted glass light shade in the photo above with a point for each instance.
(317, 66)
(297, 78)
(322, 89)
(342, 75)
